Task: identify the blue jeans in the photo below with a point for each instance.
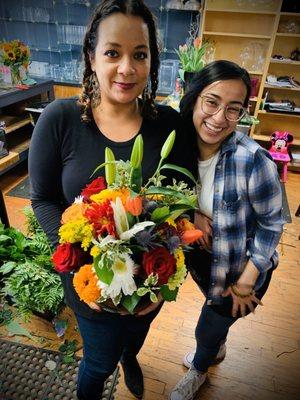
(211, 332)
(215, 320)
(105, 342)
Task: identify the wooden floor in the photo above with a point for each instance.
(263, 350)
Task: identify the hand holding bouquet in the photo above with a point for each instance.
(125, 242)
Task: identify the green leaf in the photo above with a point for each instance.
(7, 267)
(103, 270)
(130, 302)
(4, 238)
(136, 179)
(184, 171)
(102, 165)
(164, 191)
(175, 214)
(68, 359)
(167, 294)
(159, 214)
(153, 297)
(142, 291)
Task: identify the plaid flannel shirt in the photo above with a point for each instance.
(247, 215)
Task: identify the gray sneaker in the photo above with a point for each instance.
(188, 386)
(188, 358)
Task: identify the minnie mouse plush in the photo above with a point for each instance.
(281, 140)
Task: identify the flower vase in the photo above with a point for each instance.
(15, 74)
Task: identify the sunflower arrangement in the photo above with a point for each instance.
(14, 52)
(125, 242)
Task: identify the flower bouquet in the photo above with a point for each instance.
(16, 56)
(134, 235)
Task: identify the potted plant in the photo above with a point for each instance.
(191, 56)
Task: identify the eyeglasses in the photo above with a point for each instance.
(211, 106)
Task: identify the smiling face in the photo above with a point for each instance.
(213, 129)
(122, 58)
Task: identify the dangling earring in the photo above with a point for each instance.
(146, 96)
(95, 90)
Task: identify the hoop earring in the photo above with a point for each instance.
(95, 90)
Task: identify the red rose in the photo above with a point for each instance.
(94, 187)
(68, 257)
(159, 261)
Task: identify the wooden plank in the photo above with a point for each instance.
(12, 123)
(9, 160)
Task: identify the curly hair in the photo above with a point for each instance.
(103, 10)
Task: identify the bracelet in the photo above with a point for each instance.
(246, 285)
(238, 294)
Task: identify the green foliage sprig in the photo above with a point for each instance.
(27, 270)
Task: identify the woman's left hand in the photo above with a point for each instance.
(241, 303)
(151, 307)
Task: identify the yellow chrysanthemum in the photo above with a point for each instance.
(77, 231)
(85, 284)
(95, 251)
(178, 278)
(110, 194)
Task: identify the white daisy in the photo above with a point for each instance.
(123, 269)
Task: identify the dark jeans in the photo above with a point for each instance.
(215, 320)
(105, 342)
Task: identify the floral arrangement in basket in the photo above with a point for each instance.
(135, 235)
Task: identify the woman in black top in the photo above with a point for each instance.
(121, 63)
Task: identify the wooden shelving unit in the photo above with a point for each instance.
(232, 28)
(18, 125)
(18, 122)
(292, 89)
(283, 43)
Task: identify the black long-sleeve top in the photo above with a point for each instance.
(63, 154)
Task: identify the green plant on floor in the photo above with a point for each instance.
(68, 349)
(29, 278)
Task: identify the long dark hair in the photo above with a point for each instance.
(215, 71)
(102, 11)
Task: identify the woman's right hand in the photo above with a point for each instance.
(204, 223)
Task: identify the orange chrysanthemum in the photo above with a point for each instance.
(73, 212)
(85, 284)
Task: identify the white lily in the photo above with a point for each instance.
(109, 239)
(139, 226)
(123, 268)
(121, 221)
(120, 216)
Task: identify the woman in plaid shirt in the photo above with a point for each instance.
(240, 206)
